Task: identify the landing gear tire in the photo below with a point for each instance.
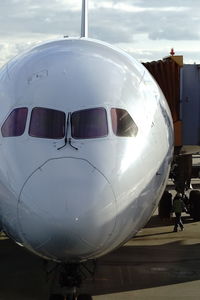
(165, 206)
(70, 297)
(84, 297)
(195, 204)
(56, 297)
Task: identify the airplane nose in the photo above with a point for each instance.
(66, 210)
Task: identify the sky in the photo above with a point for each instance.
(146, 29)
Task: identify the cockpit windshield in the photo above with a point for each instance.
(89, 123)
(47, 123)
(122, 123)
(85, 124)
(15, 123)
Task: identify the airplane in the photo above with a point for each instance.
(86, 143)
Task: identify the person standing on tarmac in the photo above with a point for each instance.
(178, 208)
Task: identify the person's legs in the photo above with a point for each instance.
(176, 222)
(181, 223)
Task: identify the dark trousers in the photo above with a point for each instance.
(178, 221)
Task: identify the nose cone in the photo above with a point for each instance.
(66, 210)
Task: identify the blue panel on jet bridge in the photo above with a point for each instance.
(190, 104)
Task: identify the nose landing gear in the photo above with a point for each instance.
(70, 297)
(67, 279)
(84, 297)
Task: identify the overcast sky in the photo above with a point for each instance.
(147, 29)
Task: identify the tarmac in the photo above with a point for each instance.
(156, 264)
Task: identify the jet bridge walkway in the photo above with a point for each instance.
(180, 84)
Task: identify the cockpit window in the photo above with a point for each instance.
(122, 123)
(47, 123)
(15, 123)
(89, 123)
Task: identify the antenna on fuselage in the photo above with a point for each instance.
(84, 19)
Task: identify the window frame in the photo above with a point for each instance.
(95, 136)
(44, 137)
(135, 131)
(24, 122)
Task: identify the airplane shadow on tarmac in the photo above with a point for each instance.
(155, 221)
(21, 273)
(141, 267)
(128, 268)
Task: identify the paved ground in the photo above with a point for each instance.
(157, 264)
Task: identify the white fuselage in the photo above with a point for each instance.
(72, 205)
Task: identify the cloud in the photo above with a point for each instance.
(158, 3)
(25, 17)
(169, 25)
(28, 17)
(178, 34)
(137, 24)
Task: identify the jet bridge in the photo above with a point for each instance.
(180, 84)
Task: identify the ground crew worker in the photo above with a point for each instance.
(178, 208)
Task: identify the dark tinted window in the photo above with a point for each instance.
(89, 123)
(47, 123)
(15, 123)
(122, 123)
